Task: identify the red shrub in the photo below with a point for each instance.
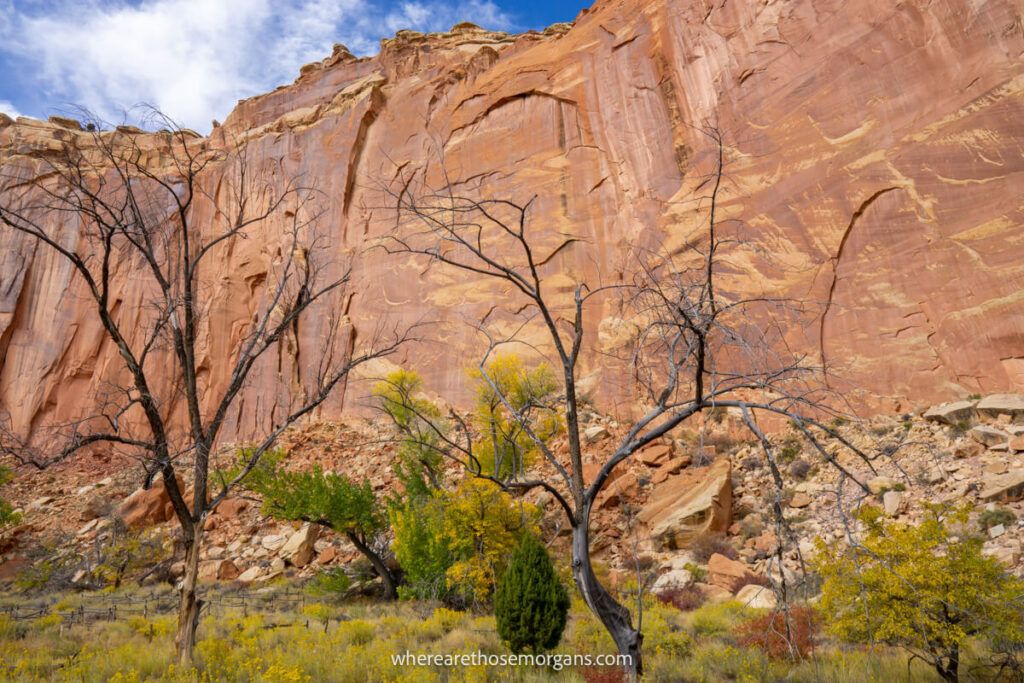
(768, 633)
(705, 546)
(684, 599)
(602, 674)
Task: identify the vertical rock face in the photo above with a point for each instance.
(875, 155)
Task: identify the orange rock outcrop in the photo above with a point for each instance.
(875, 154)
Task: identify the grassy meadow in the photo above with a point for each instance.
(278, 635)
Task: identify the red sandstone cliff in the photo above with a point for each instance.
(876, 156)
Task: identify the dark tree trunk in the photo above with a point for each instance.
(949, 666)
(188, 605)
(379, 566)
(615, 617)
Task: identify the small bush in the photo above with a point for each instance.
(717, 619)
(329, 582)
(7, 514)
(706, 546)
(991, 518)
(602, 674)
(751, 526)
(769, 634)
(791, 448)
(752, 463)
(696, 571)
(683, 599)
(759, 580)
(800, 468)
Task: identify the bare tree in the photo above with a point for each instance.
(132, 203)
(698, 346)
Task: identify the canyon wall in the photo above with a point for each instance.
(874, 168)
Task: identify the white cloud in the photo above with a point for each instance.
(194, 58)
(9, 109)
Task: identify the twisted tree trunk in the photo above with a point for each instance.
(189, 605)
(614, 616)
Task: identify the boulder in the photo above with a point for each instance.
(714, 594)
(230, 508)
(40, 503)
(674, 579)
(273, 542)
(694, 503)
(594, 433)
(218, 570)
(94, 507)
(879, 485)
(1017, 444)
(967, 449)
(591, 469)
(12, 567)
(755, 596)
(623, 489)
(1002, 404)
(729, 574)
(800, 500)
(1003, 488)
(276, 569)
(91, 526)
(329, 554)
(146, 507)
(988, 436)
(299, 550)
(996, 468)
(656, 455)
(951, 413)
(680, 560)
(251, 574)
(671, 467)
(892, 502)
(1007, 555)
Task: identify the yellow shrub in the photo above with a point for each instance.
(441, 622)
(482, 526)
(356, 632)
(157, 628)
(49, 621)
(318, 611)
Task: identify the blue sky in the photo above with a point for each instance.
(194, 59)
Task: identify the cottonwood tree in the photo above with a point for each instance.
(131, 203)
(927, 588)
(698, 346)
(329, 500)
(7, 514)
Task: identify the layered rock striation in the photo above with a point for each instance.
(874, 158)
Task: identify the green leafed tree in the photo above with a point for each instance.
(7, 514)
(510, 398)
(330, 500)
(530, 603)
(421, 547)
(421, 429)
(925, 588)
